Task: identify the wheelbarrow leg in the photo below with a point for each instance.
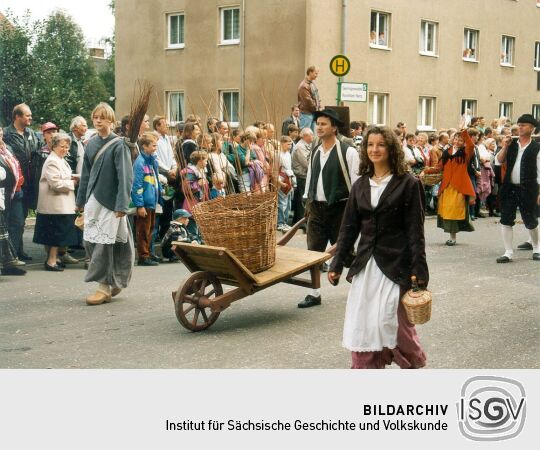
(315, 277)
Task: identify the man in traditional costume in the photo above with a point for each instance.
(520, 185)
(332, 170)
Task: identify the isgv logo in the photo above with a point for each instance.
(491, 408)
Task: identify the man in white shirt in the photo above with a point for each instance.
(332, 170)
(520, 186)
(75, 156)
(167, 167)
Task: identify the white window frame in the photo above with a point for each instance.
(424, 27)
(469, 103)
(536, 111)
(537, 56)
(505, 109)
(466, 40)
(183, 106)
(222, 39)
(224, 113)
(169, 28)
(377, 30)
(426, 123)
(508, 46)
(373, 107)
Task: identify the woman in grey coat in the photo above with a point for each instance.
(104, 195)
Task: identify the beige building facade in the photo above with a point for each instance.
(424, 61)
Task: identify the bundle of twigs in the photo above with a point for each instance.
(139, 106)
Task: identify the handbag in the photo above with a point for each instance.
(417, 303)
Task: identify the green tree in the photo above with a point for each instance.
(17, 73)
(67, 84)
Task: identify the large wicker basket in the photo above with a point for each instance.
(243, 223)
(417, 305)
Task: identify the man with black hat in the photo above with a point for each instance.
(520, 186)
(332, 170)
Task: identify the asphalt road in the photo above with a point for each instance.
(485, 315)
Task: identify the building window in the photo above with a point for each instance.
(470, 45)
(505, 110)
(507, 51)
(380, 29)
(426, 113)
(537, 56)
(230, 25)
(428, 38)
(468, 111)
(536, 111)
(176, 31)
(378, 108)
(229, 102)
(175, 107)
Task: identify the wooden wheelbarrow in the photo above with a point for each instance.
(200, 298)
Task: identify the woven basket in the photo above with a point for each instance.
(243, 223)
(431, 179)
(417, 305)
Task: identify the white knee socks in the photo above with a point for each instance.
(534, 240)
(508, 236)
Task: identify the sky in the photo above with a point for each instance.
(94, 16)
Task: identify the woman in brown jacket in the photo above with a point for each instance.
(386, 207)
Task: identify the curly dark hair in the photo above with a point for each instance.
(396, 157)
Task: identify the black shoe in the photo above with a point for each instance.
(503, 259)
(473, 218)
(450, 242)
(147, 262)
(55, 268)
(494, 214)
(310, 301)
(525, 246)
(60, 264)
(536, 256)
(156, 258)
(13, 270)
(174, 259)
(24, 257)
(324, 267)
(481, 216)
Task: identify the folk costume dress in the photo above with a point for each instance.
(456, 188)
(390, 220)
(105, 188)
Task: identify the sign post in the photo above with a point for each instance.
(339, 66)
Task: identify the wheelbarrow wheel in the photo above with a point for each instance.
(192, 301)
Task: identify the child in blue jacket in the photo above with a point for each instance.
(145, 195)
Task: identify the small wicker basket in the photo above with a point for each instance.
(431, 179)
(417, 303)
(243, 223)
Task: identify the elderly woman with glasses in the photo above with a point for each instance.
(56, 203)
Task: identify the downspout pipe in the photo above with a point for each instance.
(343, 43)
(243, 63)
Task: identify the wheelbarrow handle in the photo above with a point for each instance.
(289, 234)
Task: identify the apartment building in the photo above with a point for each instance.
(424, 61)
